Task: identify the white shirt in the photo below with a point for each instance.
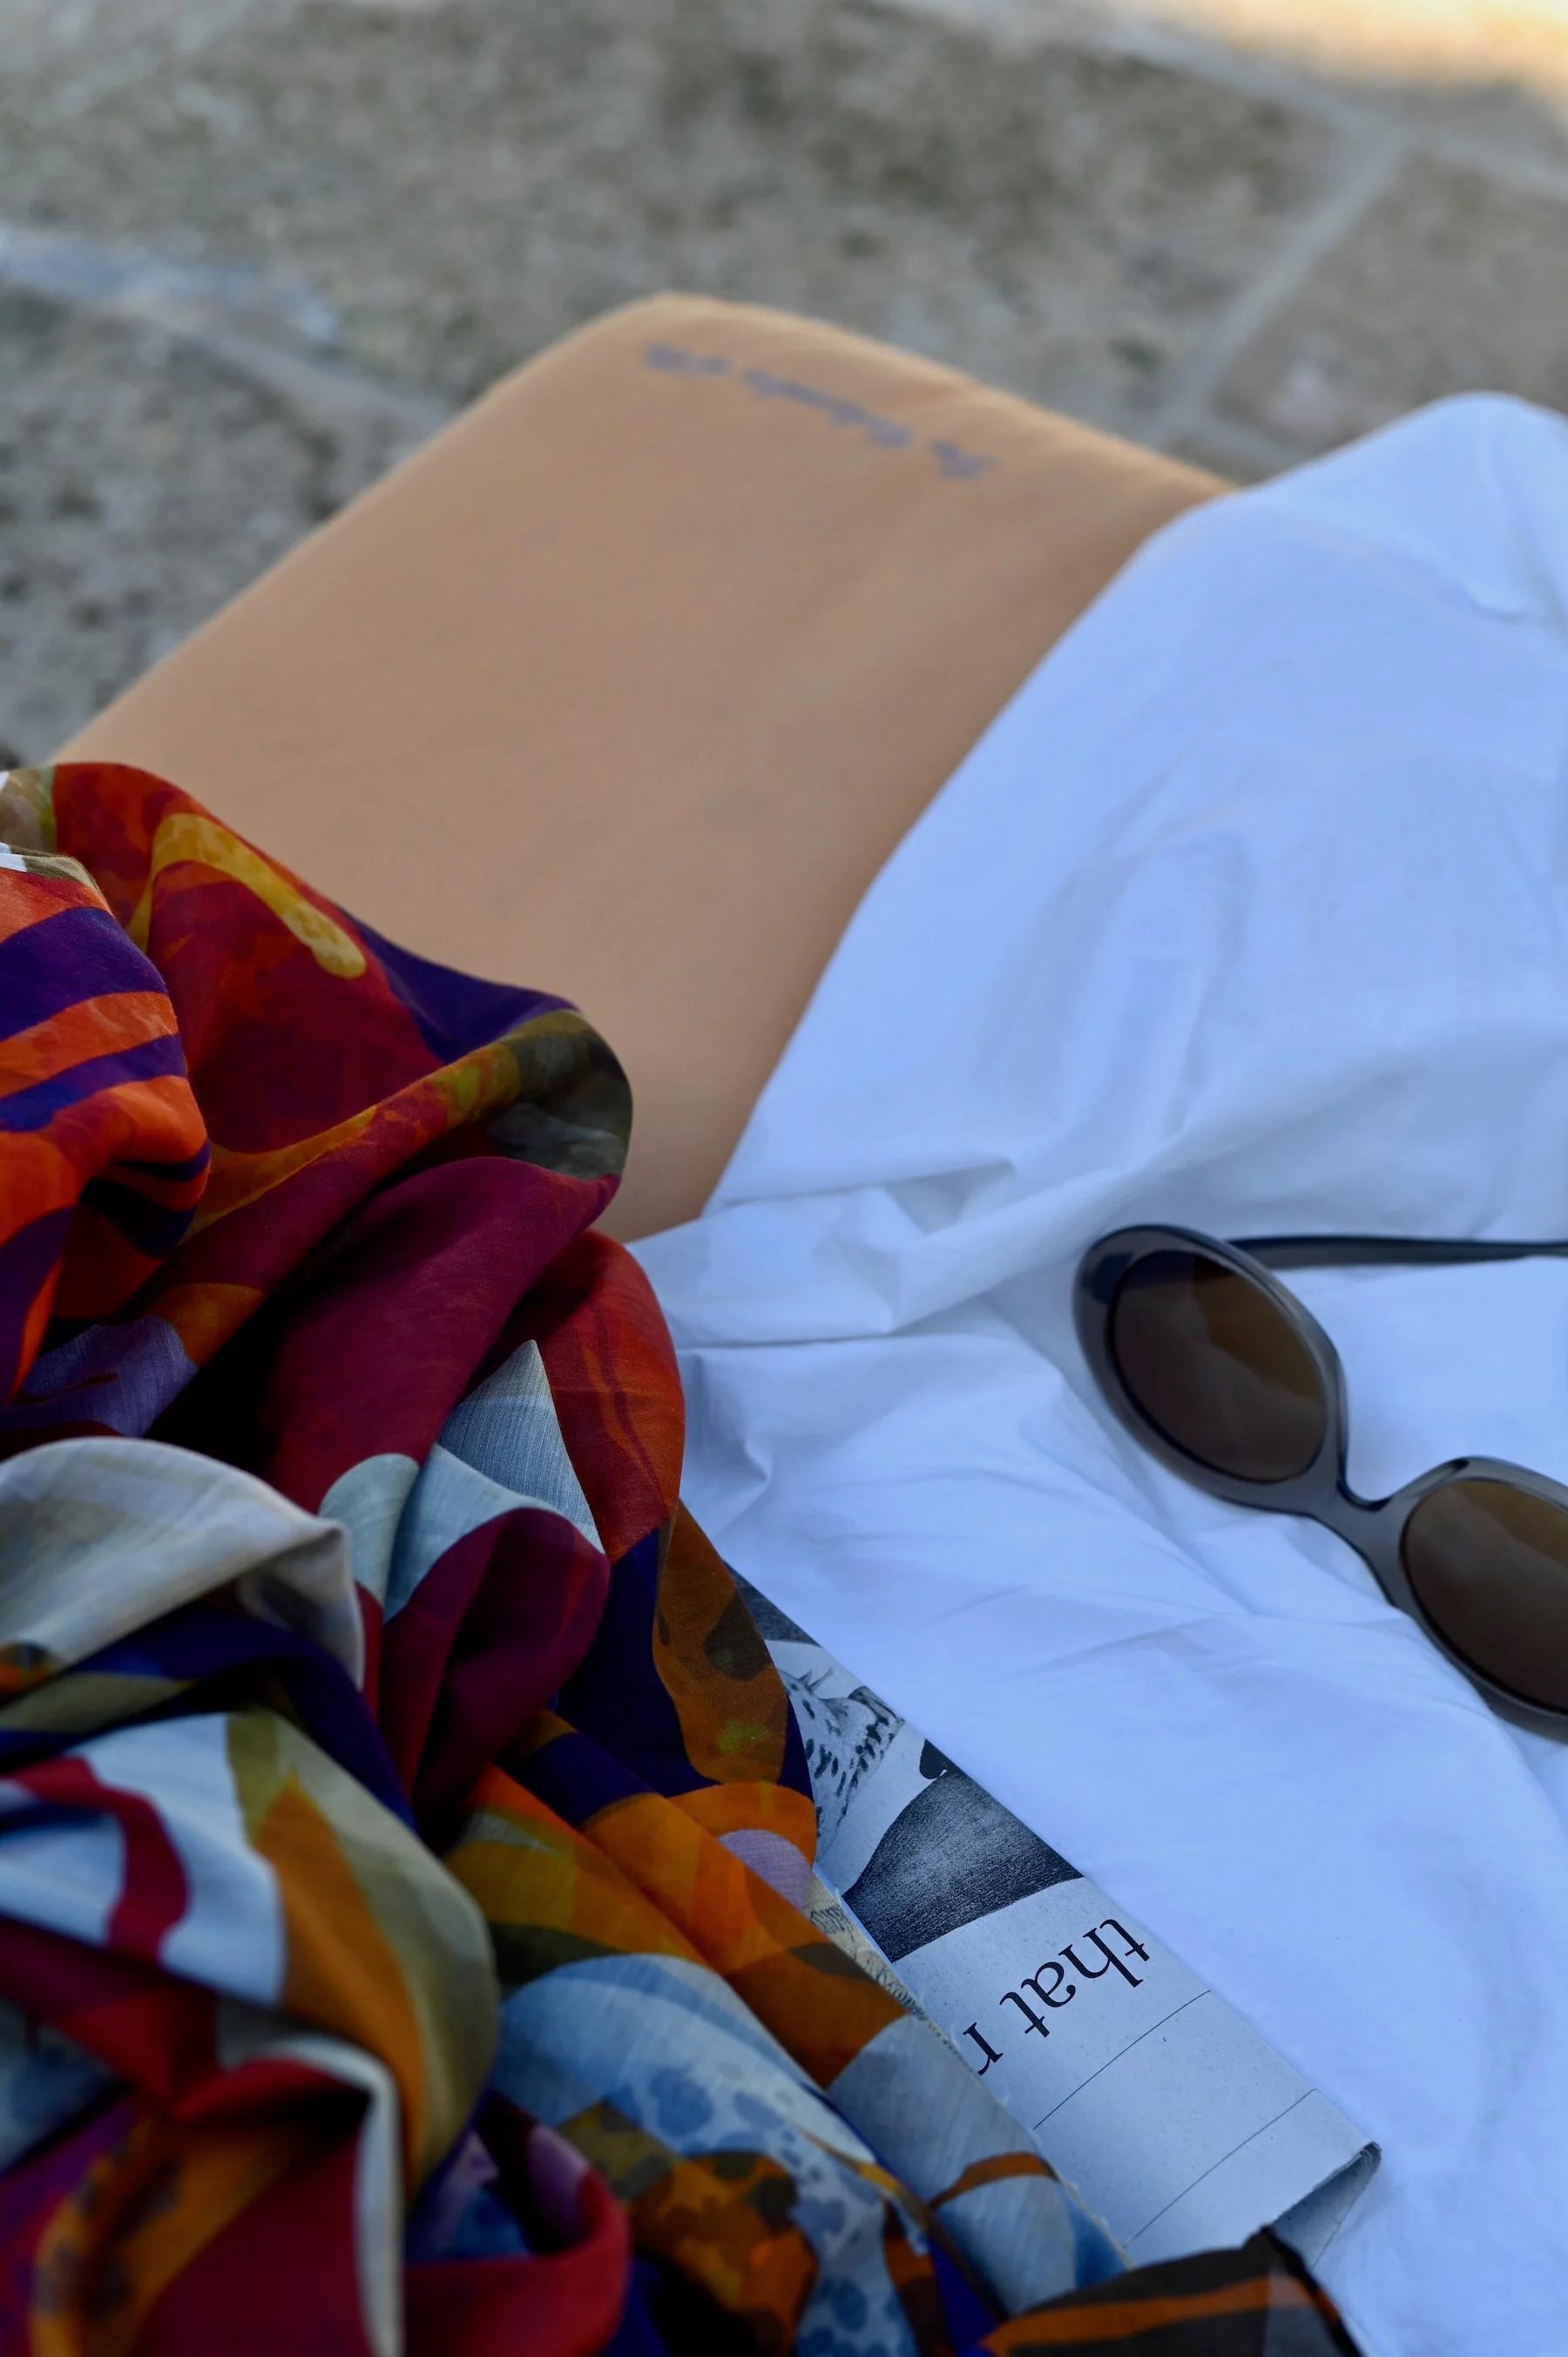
(1250, 913)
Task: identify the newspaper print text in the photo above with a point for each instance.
(1061, 1989)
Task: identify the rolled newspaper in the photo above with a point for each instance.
(1175, 2120)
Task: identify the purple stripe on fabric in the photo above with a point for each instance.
(575, 1777)
(121, 1378)
(36, 1107)
(234, 1660)
(968, 2316)
(617, 1696)
(454, 1012)
(652, 2289)
(794, 1771)
(75, 954)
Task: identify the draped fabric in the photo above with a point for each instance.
(402, 1830)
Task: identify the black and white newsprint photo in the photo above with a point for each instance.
(1171, 2116)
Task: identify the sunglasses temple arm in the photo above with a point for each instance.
(1368, 1252)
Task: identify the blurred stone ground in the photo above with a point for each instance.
(252, 251)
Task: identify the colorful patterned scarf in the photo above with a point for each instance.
(402, 1826)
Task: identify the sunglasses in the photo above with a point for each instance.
(1223, 1375)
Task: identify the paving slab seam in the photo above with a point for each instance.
(1364, 176)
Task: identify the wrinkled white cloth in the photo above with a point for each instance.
(1249, 913)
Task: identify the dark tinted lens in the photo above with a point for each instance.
(1490, 1566)
(1215, 1366)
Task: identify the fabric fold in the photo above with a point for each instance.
(401, 1826)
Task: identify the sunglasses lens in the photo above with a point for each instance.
(1489, 1564)
(1206, 1357)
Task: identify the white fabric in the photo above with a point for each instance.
(1250, 913)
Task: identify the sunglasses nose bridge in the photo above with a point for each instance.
(1366, 1524)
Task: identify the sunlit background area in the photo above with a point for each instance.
(253, 251)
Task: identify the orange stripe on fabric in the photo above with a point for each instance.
(94, 1026)
(342, 1972)
(800, 1985)
(552, 1878)
(722, 2220)
(34, 1328)
(152, 1120)
(1120, 2320)
(47, 1168)
(25, 900)
(995, 2170)
(729, 1698)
